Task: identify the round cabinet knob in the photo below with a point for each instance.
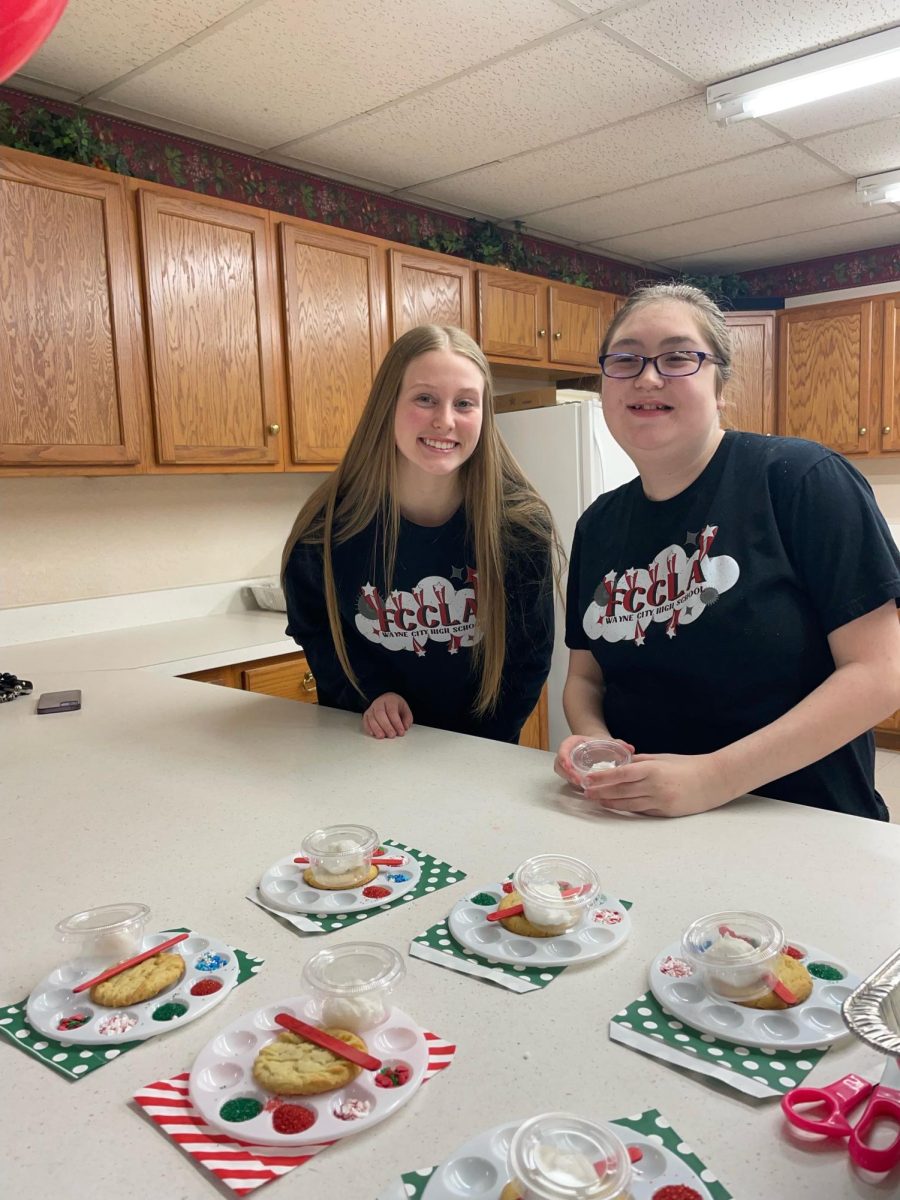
(863, 431)
(542, 332)
(887, 429)
(273, 429)
(557, 336)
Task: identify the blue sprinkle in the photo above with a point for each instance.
(399, 877)
(211, 962)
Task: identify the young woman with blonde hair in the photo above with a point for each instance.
(419, 576)
(731, 613)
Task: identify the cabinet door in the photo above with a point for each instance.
(210, 317)
(512, 315)
(535, 731)
(890, 387)
(578, 321)
(825, 374)
(290, 679)
(70, 384)
(334, 305)
(430, 291)
(750, 393)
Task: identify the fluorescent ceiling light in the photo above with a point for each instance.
(831, 72)
(879, 189)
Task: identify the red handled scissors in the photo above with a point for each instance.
(839, 1099)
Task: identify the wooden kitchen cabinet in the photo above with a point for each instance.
(70, 376)
(578, 321)
(750, 393)
(536, 730)
(889, 419)
(211, 317)
(335, 316)
(287, 676)
(430, 289)
(512, 315)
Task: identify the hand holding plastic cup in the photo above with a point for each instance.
(595, 756)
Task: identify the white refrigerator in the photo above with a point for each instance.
(568, 453)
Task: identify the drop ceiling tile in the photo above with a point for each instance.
(286, 69)
(651, 146)
(96, 41)
(719, 38)
(864, 150)
(815, 210)
(558, 89)
(841, 112)
(754, 179)
(798, 247)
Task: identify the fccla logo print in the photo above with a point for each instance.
(675, 589)
(434, 611)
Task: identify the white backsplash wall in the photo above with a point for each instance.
(884, 476)
(78, 538)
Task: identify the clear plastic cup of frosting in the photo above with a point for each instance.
(556, 890)
(734, 953)
(591, 758)
(112, 932)
(560, 1156)
(340, 855)
(352, 984)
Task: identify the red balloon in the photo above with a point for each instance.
(24, 26)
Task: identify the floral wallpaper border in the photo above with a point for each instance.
(153, 154)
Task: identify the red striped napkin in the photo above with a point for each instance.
(240, 1166)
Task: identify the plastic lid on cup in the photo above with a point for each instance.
(354, 969)
(337, 841)
(732, 938)
(561, 1156)
(108, 918)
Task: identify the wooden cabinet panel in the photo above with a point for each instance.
(210, 315)
(890, 386)
(430, 291)
(223, 676)
(578, 321)
(291, 679)
(512, 315)
(750, 393)
(69, 332)
(825, 374)
(334, 298)
(536, 730)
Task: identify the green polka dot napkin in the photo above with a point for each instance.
(77, 1061)
(650, 1124)
(437, 945)
(435, 875)
(646, 1026)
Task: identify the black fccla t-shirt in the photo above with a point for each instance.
(709, 613)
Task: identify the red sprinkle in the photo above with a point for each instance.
(677, 1191)
(391, 1077)
(292, 1118)
(508, 887)
(794, 952)
(206, 987)
(376, 892)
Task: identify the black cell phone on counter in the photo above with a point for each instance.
(54, 702)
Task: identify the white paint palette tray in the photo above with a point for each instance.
(283, 887)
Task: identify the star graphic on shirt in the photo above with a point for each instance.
(670, 631)
(690, 539)
(688, 609)
(639, 636)
(457, 573)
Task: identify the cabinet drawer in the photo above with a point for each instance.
(223, 676)
(291, 680)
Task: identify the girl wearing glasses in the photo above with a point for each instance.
(418, 576)
(731, 613)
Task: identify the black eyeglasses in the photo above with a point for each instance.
(674, 364)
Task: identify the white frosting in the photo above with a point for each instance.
(340, 857)
(114, 946)
(601, 766)
(729, 949)
(545, 906)
(563, 1167)
(355, 1013)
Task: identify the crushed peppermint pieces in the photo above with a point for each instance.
(485, 899)
(292, 1118)
(242, 1109)
(676, 967)
(211, 961)
(116, 1024)
(393, 1077)
(206, 987)
(74, 1022)
(825, 971)
(351, 1110)
(608, 916)
(376, 892)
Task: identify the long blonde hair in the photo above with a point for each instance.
(503, 511)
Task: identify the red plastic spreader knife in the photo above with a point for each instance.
(129, 962)
(376, 862)
(358, 1057)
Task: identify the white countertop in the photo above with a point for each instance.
(180, 794)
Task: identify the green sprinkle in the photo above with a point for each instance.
(168, 1012)
(240, 1110)
(484, 898)
(824, 971)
